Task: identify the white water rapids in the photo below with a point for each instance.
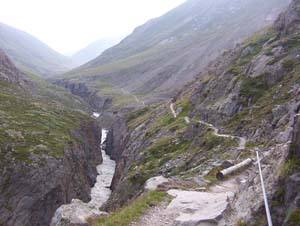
(77, 212)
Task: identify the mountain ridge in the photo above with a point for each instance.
(152, 61)
(30, 54)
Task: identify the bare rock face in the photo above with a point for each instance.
(288, 22)
(78, 212)
(8, 71)
(31, 192)
(80, 89)
(198, 208)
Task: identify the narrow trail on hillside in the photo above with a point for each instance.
(126, 92)
(242, 140)
(196, 207)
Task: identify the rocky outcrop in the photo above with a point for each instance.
(32, 191)
(117, 138)
(80, 89)
(288, 22)
(287, 196)
(8, 71)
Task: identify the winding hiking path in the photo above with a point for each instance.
(242, 140)
(196, 207)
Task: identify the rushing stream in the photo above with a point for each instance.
(77, 212)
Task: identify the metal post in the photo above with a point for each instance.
(264, 192)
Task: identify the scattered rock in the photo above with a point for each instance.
(153, 183)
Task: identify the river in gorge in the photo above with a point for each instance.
(77, 212)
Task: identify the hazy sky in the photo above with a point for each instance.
(69, 25)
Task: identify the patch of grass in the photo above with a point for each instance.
(34, 125)
(155, 156)
(235, 70)
(241, 223)
(253, 88)
(290, 42)
(292, 165)
(293, 218)
(133, 211)
(288, 64)
(255, 45)
(136, 114)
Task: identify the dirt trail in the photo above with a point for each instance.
(242, 140)
(193, 207)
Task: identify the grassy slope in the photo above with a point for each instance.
(38, 124)
(30, 54)
(160, 43)
(133, 211)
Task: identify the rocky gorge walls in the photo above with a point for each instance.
(31, 191)
(78, 212)
(80, 89)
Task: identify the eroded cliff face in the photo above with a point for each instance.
(8, 71)
(288, 22)
(98, 103)
(286, 207)
(31, 191)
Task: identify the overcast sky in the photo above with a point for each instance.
(69, 25)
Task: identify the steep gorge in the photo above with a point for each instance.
(49, 152)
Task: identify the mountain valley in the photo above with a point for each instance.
(155, 121)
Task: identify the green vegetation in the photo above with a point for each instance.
(34, 125)
(290, 42)
(241, 223)
(235, 70)
(291, 166)
(288, 64)
(252, 116)
(156, 156)
(253, 88)
(133, 211)
(293, 218)
(254, 45)
(137, 114)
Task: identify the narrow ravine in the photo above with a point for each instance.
(77, 212)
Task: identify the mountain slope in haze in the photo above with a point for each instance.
(93, 50)
(30, 54)
(49, 148)
(165, 53)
